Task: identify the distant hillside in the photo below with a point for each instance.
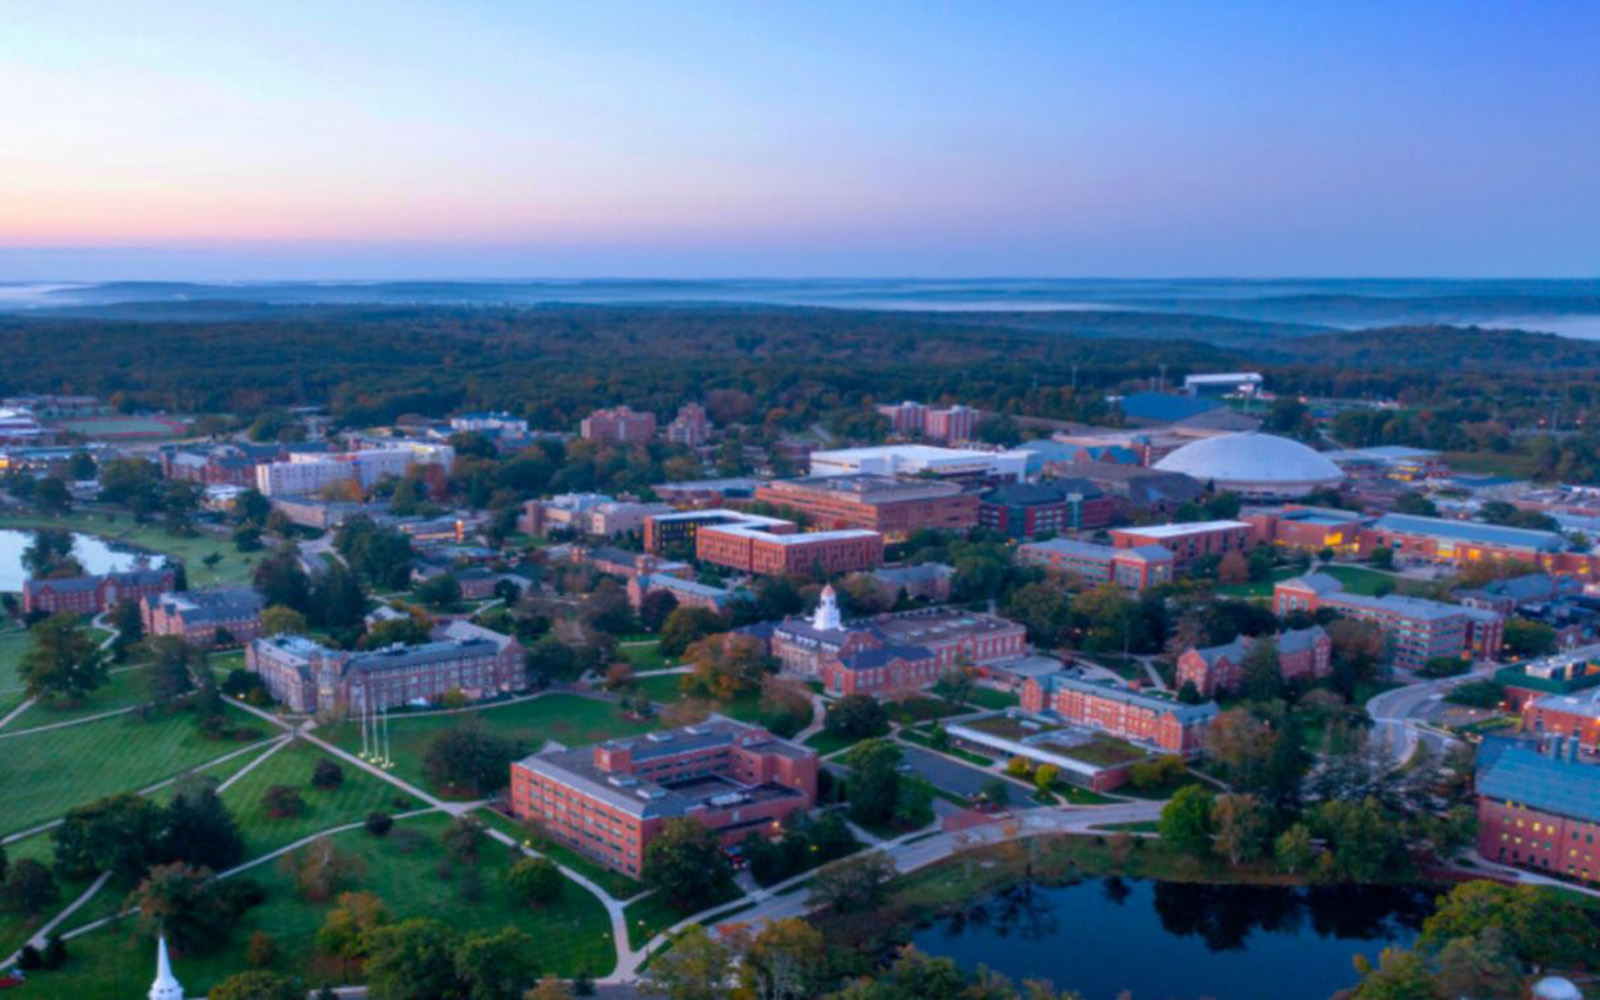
(1444, 348)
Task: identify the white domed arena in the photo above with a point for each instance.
(1258, 466)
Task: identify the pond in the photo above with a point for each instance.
(96, 554)
(1180, 941)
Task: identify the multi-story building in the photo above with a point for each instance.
(204, 618)
(688, 593)
(586, 514)
(90, 595)
(232, 464)
(1565, 673)
(773, 550)
(1417, 629)
(889, 655)
(884, 504)
(620, 425)
(1187, 542)
(1306, 529)
(1145, 717)
(941, 426)
(709, 492)
(494, 423)
(957, 464)
(1138, 489)
(310, 512)
(305, 474)
(1303, 654)
(626, 564)
(1023, 510)
(309, 677)
(1575, 715)
(752, 543)
(610, 800)
(1440, 541)
(1135, 568)
(1539, 809)
(690, 427)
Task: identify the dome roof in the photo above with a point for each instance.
(1253, 462)
(1556, 988)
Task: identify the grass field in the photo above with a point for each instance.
(665, 689)
(992, 699)
(618, 885)
(1516, 465)
(646, 656)
(14, 930)
(122, 689)
(568, 719)
(653, 914)
(357, 795)
(825, 743)
(569, 936)
(45, 774)
(123, 427)
(232, 570)
(13, 645)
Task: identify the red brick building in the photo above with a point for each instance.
(1136, 568)
(1306, 529)
(889, 655)
(1156, 720)
(1539, 807)
(1303, 655)
(761, 550)
(1417, 630)
(90, 595)
(891, 506)
(204, 617)
(1188, 542)
(620, 425)
(609, 800)
(1574, 715)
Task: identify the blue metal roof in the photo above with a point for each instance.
(1513, 772)
(1471, 531)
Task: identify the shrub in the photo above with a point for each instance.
(379, 824)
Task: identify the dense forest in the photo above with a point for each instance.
(1464, 389)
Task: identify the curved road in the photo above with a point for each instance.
(1396, 713)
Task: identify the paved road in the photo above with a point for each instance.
(1395, 713)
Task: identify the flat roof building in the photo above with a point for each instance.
(1539, 806)
(1136, 568)
(893, 507)
(1417, 630)
(1189, 541)
(920, 459)
(609, 800)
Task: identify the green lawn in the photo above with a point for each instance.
(45, 774)
(1516, 465)
(665, 689)
(232, 570)
(653, 914)
(992, 699)
(922, 708)
(568, 719)
(1360, 580)
(645, 657)
(122, 689)
(618, 885)
(357, 795)
(13, 645)
(1257, 588)
(825, 743)
(571, 935)
(14, 930)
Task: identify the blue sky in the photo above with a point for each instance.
(406, 139)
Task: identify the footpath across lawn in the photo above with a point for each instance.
(45, 774)
(570, 935)
(357, 794)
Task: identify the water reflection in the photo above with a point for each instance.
(96, 554)
(1178, 940)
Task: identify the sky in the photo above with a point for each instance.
(861, 138)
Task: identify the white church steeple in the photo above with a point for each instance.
(166, 986)
(826, 618)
